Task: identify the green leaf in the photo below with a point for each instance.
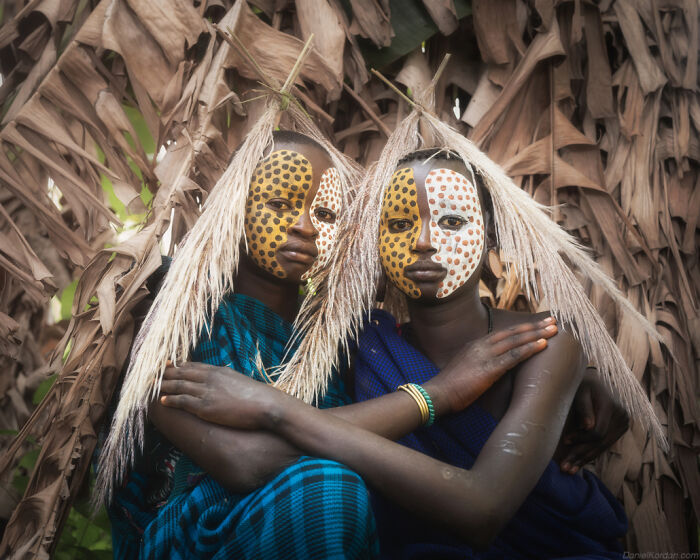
(20, 477)
(144, 135)
(66, 352)
(66, 299)
(412, 26)
(83, 537)
(114, 203)
(43, 388)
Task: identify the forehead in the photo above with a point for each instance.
(421, 168)
(401, 194)
(317, 156)
(287, 168)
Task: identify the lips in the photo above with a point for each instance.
(299, 253)
(425, 271)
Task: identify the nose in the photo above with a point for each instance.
(423, 244)
(304, 227)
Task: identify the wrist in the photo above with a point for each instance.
(439, 396)
(276, 412)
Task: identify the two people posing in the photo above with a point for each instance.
(458, 461)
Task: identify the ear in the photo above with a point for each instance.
(486, 202)
(490, 228)
(381, 286)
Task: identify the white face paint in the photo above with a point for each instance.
(325, 208)
(456, 226)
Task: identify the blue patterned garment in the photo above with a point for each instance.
(565, 516)
(313, 509)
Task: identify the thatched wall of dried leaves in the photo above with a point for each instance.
(590, 106)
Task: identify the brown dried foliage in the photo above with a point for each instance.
(590, 107)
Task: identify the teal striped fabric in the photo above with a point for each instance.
(313, 509)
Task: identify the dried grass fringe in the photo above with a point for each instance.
(204, 267)
(531, 243)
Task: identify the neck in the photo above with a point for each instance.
(279, 295)
(441, 328)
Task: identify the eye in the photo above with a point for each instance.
(452, 222)
(400, 225)
(325, 215)
(279, 204)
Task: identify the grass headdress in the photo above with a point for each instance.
(542, 254)
(202, 272)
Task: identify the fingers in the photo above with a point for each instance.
(524, 327)
(191, 371)
(582, 410)
(580, 455)
(520, 339)
(516, 355)
(181, 386)
(183, 402)
(584, 437)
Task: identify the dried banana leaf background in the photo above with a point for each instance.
(591, 106)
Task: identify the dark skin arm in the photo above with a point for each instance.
(474, 504)
(240, 460)
(597, 420)
(243, 460)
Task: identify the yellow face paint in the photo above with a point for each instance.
(276, 200)
(399, 229)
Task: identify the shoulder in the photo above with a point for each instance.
(505, 318)
(562, 349)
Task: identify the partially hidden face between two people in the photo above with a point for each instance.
(431, 235)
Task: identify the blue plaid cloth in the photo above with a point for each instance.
(313, 509)
(564, 516)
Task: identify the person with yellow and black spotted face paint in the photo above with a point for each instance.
(293, 199)
(212, 492)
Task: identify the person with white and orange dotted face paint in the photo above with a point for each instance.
(431, 236)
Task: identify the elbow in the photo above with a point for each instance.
(489, 527)
(242, 472)
(236, 478)
(482, 542)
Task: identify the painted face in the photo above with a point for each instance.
(324, 209)
(455, 226)
(399, 229)
(278, 198)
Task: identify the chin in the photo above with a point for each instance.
(428, 294)
(294, 274)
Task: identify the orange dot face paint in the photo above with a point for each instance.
(399, 229)
(456, 226)
(326, 206)
(276, 200)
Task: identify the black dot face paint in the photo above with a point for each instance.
(275, 203)
(399, 229)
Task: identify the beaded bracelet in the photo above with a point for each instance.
(429, 402)
(423, 400)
